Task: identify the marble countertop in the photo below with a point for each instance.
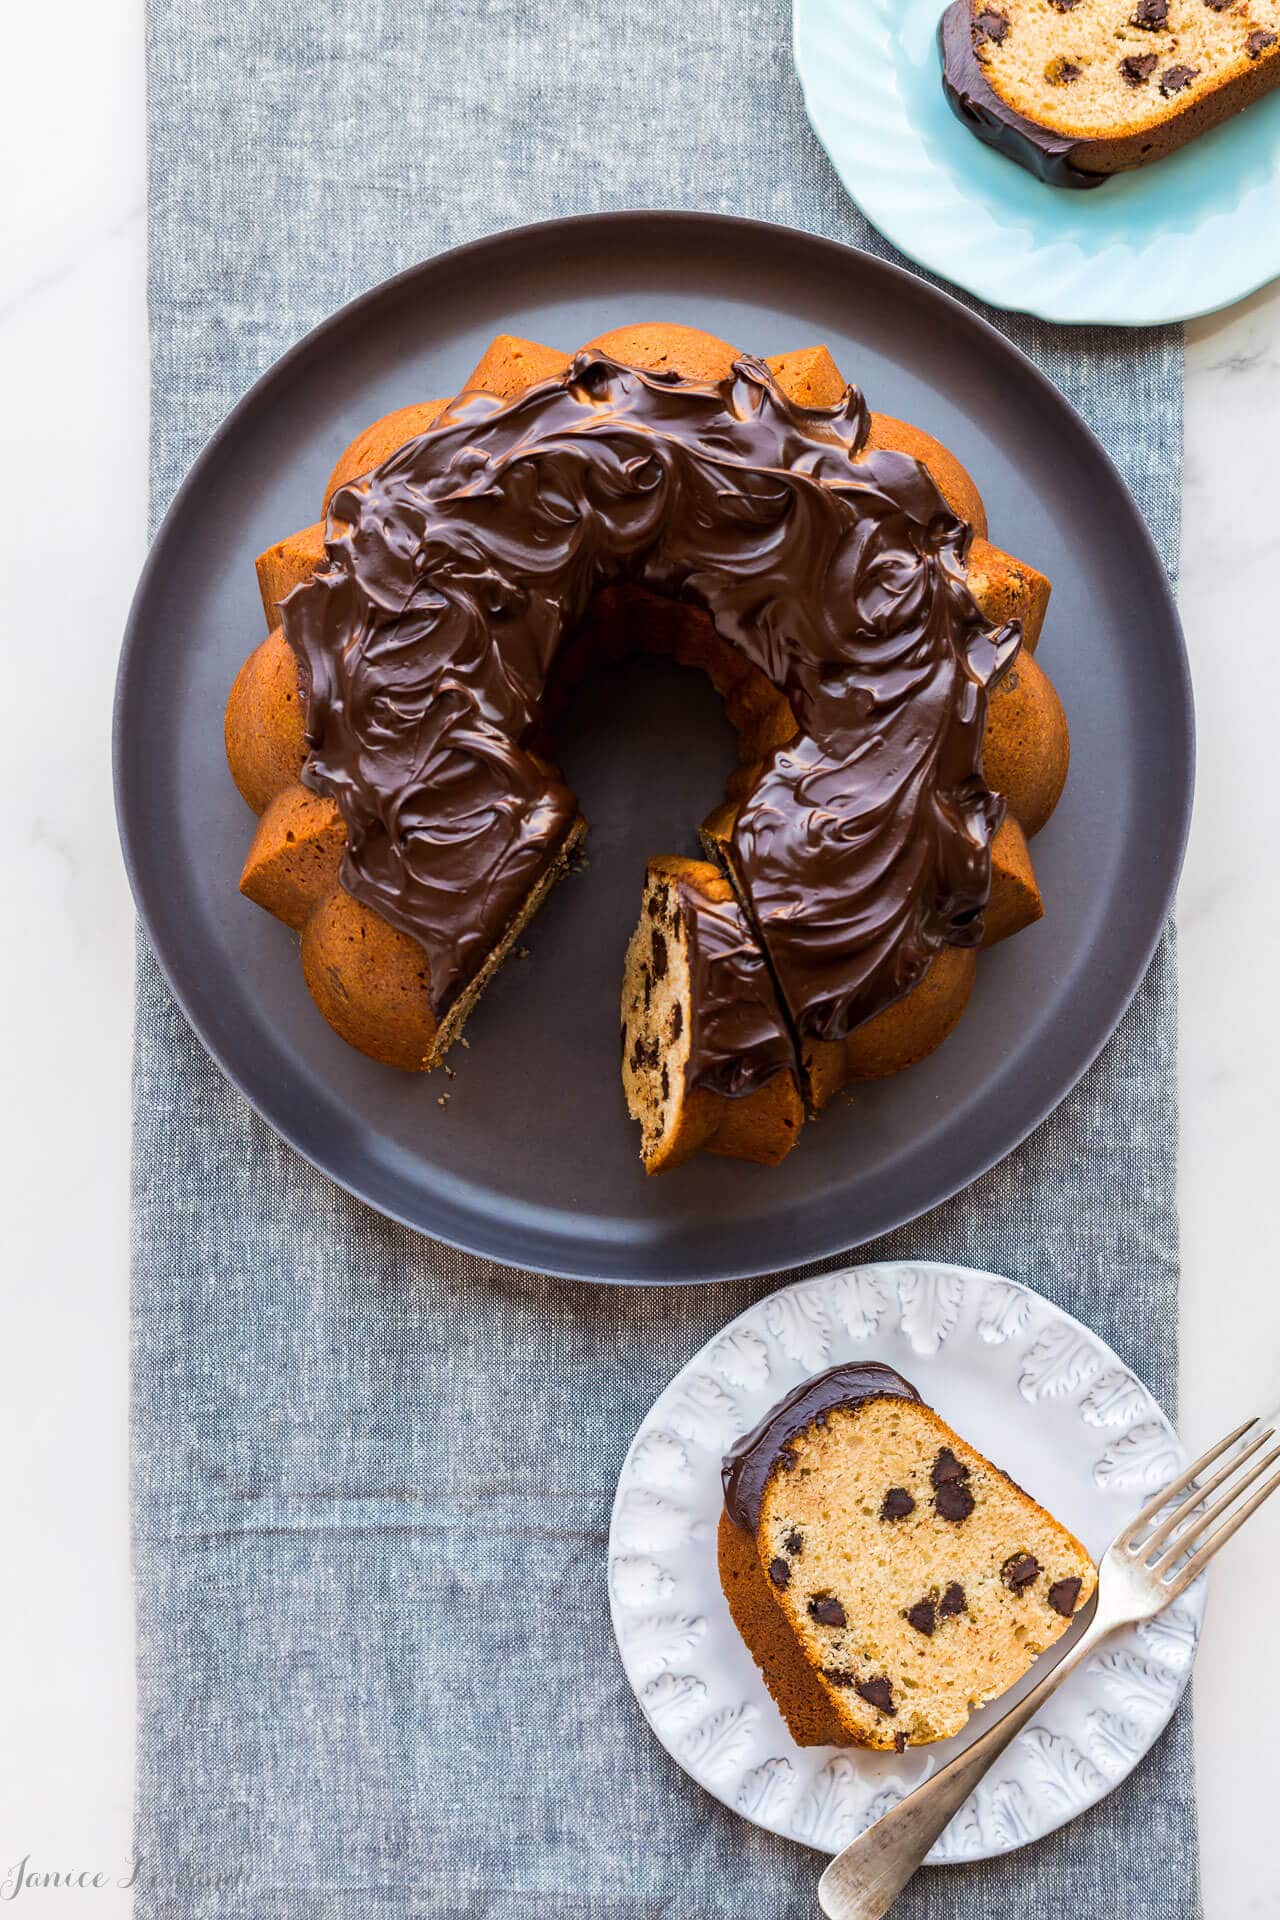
(73, 332)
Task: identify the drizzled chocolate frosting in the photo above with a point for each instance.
(739, 1038)
(455, 568)
(749, 1464)
(973, 99)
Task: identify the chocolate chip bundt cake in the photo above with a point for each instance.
(886, 1577)
(828, 569)
(1076, 90)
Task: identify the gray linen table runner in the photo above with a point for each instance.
(372, 1476)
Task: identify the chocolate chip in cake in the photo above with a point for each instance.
(953, 1601)
(1220, 6)
(989, 25)
(1152, 14)
(897, 1504)
(793, 1542)
(953, 1501)
(1175, 79)
(946, 1468)
(666, 1081)
(1019, 1571)
(827, 1611)
(659, 956)
(1137, 68)
(1062, 72)
(877, 1693)
(779, 1572)
(643, 1054)
(1063, 1595)
(1257, 43)
(923, 1616)
(900, 1739)
(676, 1022)
(840, 1676)
(1064, 6)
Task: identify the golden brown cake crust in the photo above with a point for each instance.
(293, 862)
(377, 1004)
(1015, 900)
(508, 365)
(370, 982)
(802, 1702)
(1008, 589)
(264, 723)
(1026, 749)
(378, 442)
(286, 565)
(900, 1036)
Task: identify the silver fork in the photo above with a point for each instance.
(1140, 1573)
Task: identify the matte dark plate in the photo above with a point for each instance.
(534, 1160)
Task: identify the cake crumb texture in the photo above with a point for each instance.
(1140, 75)
(916, 1579)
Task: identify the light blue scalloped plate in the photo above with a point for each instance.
(1184, 237)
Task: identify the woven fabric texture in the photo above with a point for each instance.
(372, 1476)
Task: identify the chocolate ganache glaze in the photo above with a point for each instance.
(738, 1038)
(974, 100)
(750, 1462)
(455, 568)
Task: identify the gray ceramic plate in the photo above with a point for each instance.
(534, 1160)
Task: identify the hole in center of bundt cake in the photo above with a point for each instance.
(647, 747)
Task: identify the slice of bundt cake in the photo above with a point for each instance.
(707, 1062)
(1076, 90)
(887, 1578)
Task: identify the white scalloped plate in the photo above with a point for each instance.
(1027, 1385)
(1184, 237)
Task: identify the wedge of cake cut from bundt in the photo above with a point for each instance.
(1077, 90)
(887, 1578)
(707, 1062)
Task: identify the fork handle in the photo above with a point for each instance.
(864, 1880)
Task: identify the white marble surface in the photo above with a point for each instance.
(72, 296)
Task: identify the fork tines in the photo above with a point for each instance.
(1186, 1528)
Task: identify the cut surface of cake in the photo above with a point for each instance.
(707, 1061)
(887, 1577)
(1076, 90)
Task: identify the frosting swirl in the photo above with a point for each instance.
(738, 1039)
(456, 567)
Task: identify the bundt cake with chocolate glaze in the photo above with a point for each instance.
(886, 1578)
(826, 567)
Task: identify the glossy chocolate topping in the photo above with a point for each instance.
(750, 1462)
(974, 100)
(738, 1037)
(456, 567)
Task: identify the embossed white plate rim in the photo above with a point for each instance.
(695, 1681)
